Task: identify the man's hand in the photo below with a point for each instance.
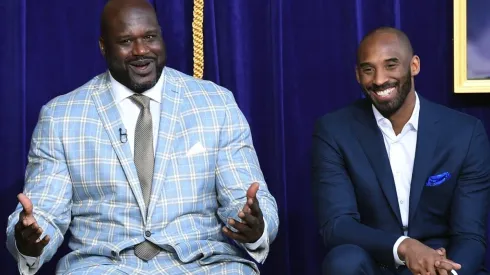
(444, 266)
(252, 227)
(421, 259)
(28, 232)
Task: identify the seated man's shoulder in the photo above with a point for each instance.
(195, 87)
(341, 119)
(452, 118)
(81, 94)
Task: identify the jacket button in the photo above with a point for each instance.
(148, 233)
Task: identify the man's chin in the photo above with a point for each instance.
(142, 87)
(386, 109)
(141, 84)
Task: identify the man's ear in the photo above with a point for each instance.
(102, 46)
(415, 65)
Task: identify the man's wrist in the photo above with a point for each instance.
(262, 242)
(399, 251)
(402, 248)
(30, 261)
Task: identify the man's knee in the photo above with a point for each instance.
(349, 260)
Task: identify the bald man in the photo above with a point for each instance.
(401, 184)
(153, 171)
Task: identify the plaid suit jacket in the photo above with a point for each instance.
(82, 177)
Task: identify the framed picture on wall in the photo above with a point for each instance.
(471, 46)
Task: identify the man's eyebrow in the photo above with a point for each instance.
(365, 64)
(393, 59)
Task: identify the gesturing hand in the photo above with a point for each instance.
(252, 227)
(28, 232)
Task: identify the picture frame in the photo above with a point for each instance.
(463, 80)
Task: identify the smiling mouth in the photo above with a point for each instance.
(141, 66)
(385, 93)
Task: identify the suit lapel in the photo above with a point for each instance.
(371, 139)
(427, 138)
(111, 119)
(169, 117)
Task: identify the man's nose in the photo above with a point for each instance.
(380, 78)
(140, 48)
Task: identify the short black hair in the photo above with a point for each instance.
(402, 37)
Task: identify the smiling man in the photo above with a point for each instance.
(401, 184)
(153, 171)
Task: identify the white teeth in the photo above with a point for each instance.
(386, 92)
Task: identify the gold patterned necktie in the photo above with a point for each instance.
(144, 161)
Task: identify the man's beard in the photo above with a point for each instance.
(387, 109)
(143, 87)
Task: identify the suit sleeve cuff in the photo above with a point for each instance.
(398, 261)
(27, 265)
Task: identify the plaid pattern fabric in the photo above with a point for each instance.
(82, 177)
(164, 263)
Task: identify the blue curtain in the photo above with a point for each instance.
(287, 62)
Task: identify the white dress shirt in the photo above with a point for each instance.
(129, 113)
(401, 153)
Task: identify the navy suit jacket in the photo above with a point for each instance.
(355, 192)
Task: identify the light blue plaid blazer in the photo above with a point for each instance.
(81, 176)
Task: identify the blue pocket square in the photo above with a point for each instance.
(438, 179)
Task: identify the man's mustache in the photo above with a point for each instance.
(141, 59)
(384, 86)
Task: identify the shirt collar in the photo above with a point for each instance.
(121, 92)
(412, 122)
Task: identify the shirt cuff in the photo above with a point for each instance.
(398, 262)
(260, 243)
(27, 265)
(259, 249)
